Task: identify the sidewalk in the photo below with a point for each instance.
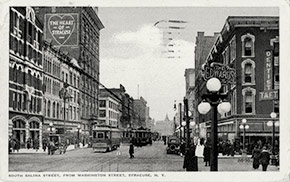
(41, 151)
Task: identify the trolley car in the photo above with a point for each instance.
(106, 139)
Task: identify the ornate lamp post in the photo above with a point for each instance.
(214, 99)
(244, 127)
(273, 123)
(183, 124)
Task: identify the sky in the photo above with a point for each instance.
(134, 52)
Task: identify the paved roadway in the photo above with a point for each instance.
(147, 158)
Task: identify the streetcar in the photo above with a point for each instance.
(106, 139)
(142, 137)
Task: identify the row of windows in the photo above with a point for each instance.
(51, 66)
(18, 46)
(18, 76)
(51, 86)
(54, 110)
(113, 115)
(21, 124)
(72, 79)
(89, 85)
(113, 106)
(20, 102)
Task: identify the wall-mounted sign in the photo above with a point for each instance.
(268, 71)
(61, 29)
(223, 72)
(269, 95)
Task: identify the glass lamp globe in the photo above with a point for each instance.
(244, 121)
(79, 126)
(183, 123)
(203, 107)
(277, 123)
(50, 124)
(270, 123)
(247, 127)
(53, 129)
(213, 85)
(241, 127)
(273, 115)
(225, 107)
(220, 109)
(192, 123)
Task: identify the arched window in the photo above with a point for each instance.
(248, 42)
(249, 100)
(44, 107)
(248, 72)
(53, 109)
(34, 124)
(57, 110)
(48, 108)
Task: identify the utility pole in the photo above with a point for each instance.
(187, 122)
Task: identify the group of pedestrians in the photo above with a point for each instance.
(261, 156)
(14, 145)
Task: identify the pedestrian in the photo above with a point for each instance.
(131, 150)
(206, 154)
(50, 148)
(44, 145)
(182, 148)
(36, 144)
(190, 160)
(265, 158)
(17, 145)
(256, 154)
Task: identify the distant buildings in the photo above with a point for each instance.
(164, 127)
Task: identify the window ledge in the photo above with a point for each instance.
(248, 84)
(248, 56)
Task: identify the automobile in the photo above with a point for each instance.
(173, 145)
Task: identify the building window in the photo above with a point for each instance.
(48, 109)
(102, 113)
(248, 42)
(102, 103)
(249, 95)
(57, 110)
(53, 110)
(248, 72)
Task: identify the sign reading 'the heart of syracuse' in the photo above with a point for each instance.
(62, 28)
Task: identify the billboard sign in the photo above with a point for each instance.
(269, 95)
(61, 29)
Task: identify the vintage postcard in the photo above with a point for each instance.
(145, 91)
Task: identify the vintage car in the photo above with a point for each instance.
(173, 145)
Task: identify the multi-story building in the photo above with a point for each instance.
(203, 44)
(109, 109)
(25, 76)
(75, 30)
(61, 71)
(140, 110)
(250, 45)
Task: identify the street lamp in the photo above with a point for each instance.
(50, 127)
(79, 130)
(214, 99)
(183, 123)
(273, 115)
(244, 127)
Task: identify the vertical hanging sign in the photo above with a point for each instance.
(268, 71)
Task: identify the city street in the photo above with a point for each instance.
(147, 158)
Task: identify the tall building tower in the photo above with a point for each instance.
(76, 31)
(25, 77)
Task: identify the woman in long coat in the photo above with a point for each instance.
(256, 157)
(190, 160)
(206, 154)
(265, 158)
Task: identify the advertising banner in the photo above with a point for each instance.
(268, 71)
(61, 29)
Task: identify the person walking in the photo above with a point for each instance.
(131, 150)
(44, 145)
(265, 158)
(182, 148)
(190, 160)
(206, 154)
(256, 157)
